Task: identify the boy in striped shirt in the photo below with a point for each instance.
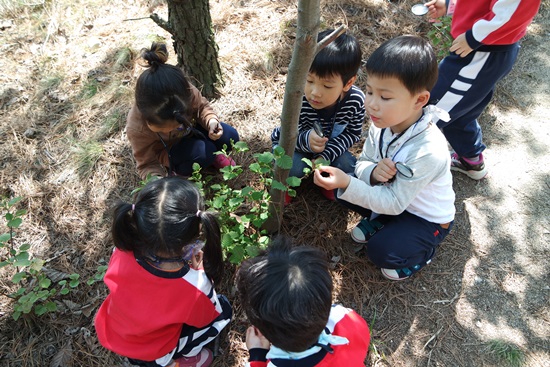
(331, 100)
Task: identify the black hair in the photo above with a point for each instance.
(340, 57)
(411, 59)
(162, 90)
(167, 215)
(287, 294)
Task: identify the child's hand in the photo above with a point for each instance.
(215, 129)
(316, 143)
(460, 46)
(384, 171)
(196, 260)
(255, 339)
(331, 178)
(436, 8)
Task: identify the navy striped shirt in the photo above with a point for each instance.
(344, 127)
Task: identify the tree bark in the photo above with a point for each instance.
(302, 57)
(190, 25)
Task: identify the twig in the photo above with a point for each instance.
(447, 300)
(331, 37)
(433, 337)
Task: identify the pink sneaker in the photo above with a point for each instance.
(203, 359)
(221, 160)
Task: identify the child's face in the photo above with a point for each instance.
(324, 92)
(390, 104)
(165, 128)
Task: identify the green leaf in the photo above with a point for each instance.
(45, 282)
(278, 186)
(15, 223)
(265, 157)
(5, 237)
(293, 181)
(255, 167)
(240, 146)
(20, 212)
(237, 255)
(18, 277)
(14, 201)
(37, 264)
(74, 283)
(22, 259)
(308, 162)
(285, 162)
(24, 247)
(278, 151)
(15, 315)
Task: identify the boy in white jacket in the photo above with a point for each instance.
(403, 184)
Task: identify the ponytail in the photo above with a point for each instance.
(124, 229)
(213, 256)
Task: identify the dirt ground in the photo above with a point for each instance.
(66, 83)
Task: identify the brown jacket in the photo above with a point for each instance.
(148, 150)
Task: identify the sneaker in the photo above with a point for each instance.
(203, 359)
(363, 232)
(221, 160)
(404, 273)
(474, 170)
(329, 194)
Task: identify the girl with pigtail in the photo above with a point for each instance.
(171, 125)
(162, 308)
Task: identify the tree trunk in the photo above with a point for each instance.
(190, 25)
(302, 57)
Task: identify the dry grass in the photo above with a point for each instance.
(67, 80)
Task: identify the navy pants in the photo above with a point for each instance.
(197, 147)
(464, 88)
(405, 240)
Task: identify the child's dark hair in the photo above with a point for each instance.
(167, 215)
(411, 59)
(162, 91)
(287, 294)
(340, 57)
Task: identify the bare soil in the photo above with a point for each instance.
(68, 70)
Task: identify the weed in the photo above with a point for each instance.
(440, 36)
(507, 352)
(36, 290)
(244, 210)
(87, 155)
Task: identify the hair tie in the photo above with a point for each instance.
(198, 214)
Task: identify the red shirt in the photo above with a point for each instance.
(348, 324)
(143, 315)
(493, 22)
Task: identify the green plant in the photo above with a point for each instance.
(440, 36)
(36, 290)
(244, 210)
(508, 352)
(98, 276)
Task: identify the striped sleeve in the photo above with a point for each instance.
(350, 118)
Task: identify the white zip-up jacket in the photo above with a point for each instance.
(429, 193)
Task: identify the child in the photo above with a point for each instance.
(485, 48)
(333, 101)
(162, 308)
(403, 172)
(171, 125)
(287, 296)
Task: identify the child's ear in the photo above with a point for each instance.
(422, 99)
(350, 82)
